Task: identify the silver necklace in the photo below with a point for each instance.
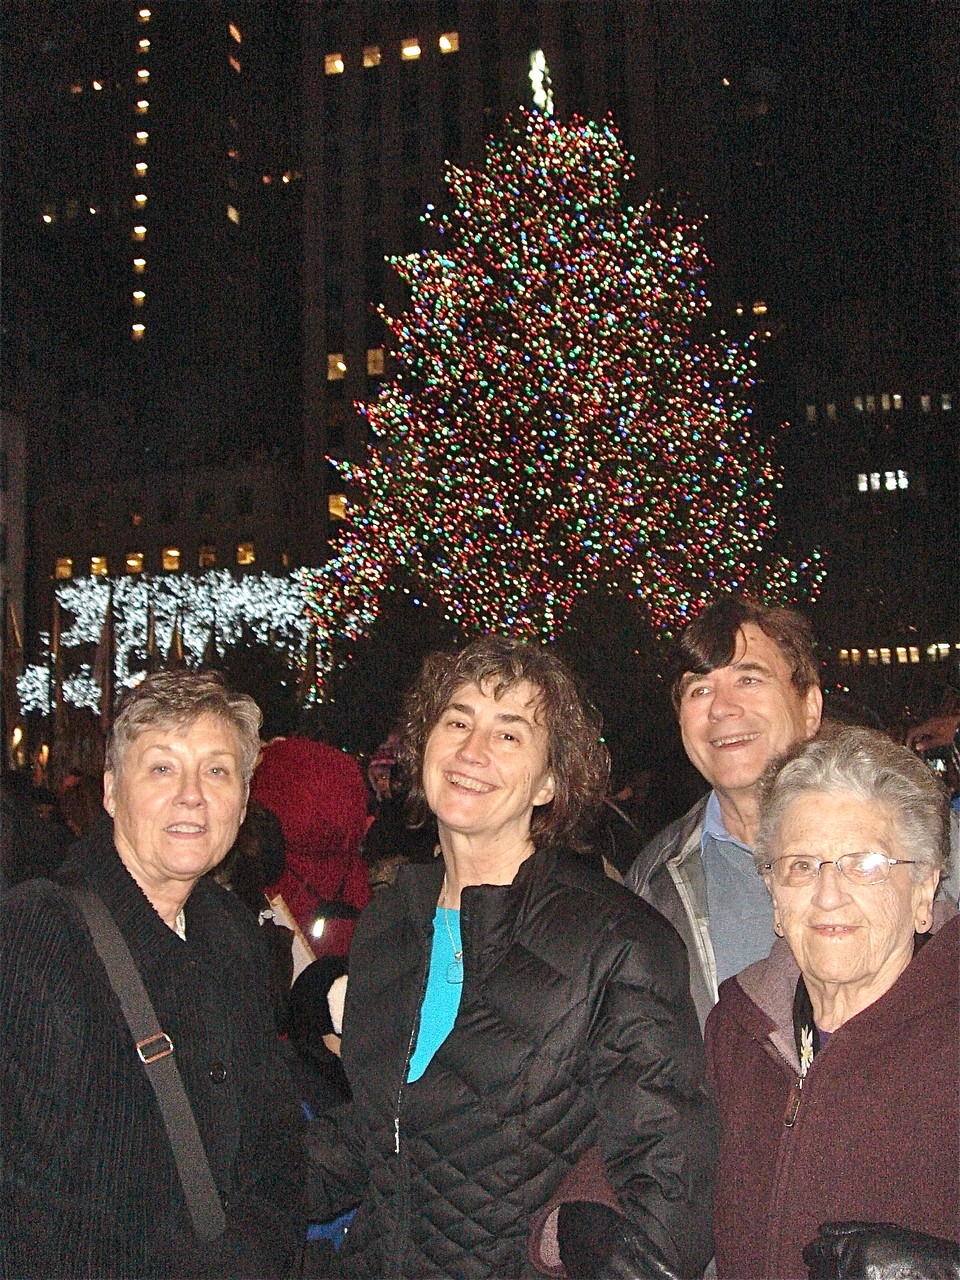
(455, 967)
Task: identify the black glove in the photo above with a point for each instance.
(586, 1232)
(880, 1251)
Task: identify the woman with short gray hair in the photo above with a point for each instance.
(835, 1060)
(97, 1180)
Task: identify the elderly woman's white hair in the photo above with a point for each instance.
(863, 763)
(178, 698)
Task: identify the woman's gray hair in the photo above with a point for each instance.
(176, 699)
(866, 764)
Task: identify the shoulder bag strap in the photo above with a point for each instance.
(155, 1050)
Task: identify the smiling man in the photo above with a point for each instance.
(747, 690)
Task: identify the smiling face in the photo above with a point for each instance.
(485, 765)
(859, 937)
(177, 803)
(738, 718)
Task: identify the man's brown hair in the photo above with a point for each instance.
(710, 640)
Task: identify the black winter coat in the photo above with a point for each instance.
(575, 1029)
(89, 1184)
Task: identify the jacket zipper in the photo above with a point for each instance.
(785, 1154)
(403, 1213)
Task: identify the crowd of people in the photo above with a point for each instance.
(467, 1016)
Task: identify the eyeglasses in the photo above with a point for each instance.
(798, 869)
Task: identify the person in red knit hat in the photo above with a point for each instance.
(319, 794)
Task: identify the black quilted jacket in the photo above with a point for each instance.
(575, 1028)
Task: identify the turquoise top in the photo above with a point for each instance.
(442, 997)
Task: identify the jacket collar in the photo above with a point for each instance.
(761, 998)
(675, 843)
(93, 861)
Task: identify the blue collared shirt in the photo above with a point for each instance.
(738, 904)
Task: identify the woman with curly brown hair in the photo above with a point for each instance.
(509, 1008)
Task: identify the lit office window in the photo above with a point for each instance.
(862, 484)
(901, 653)
(137, 331)
(890, 480)
(855, 657)
(375, 362)
(235, 63)
(897, 401)
(831, 413)
(235, 32)
(139, 265)
(139, 233)
(871, 657)
(138, 297)
(871, 404)
(144, 43)
(207, 558)
(143, 106)
(286, 559)
(64, 568)
(903, 480)
(410, 48)
(450, 42)
(134, 562)
(98, 85)
(811, 413)
(170, 559)
(759, 308)
(144, 15)
(885, 657)
(914, 653)
(844, 657)
(371, 55)
(337, 506)
(141, 167)
(335, 367)
(946, 402)
(141, 137)
(875, 481)
(98, 566)
(858, 403)
(233, 214)
(136, 519)
(140, 199)
(50, 214)
(245, 553)
(333, 64)
(885, 402)
(143, 74)
(924, 404)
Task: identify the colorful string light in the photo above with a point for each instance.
(554, 426)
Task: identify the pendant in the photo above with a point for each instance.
(455, 973)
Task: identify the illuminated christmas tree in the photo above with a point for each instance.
(554, 425)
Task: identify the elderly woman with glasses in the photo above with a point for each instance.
(98, 1180)
(836, 1059)
(509, 1007)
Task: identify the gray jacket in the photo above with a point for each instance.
(669, 875)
